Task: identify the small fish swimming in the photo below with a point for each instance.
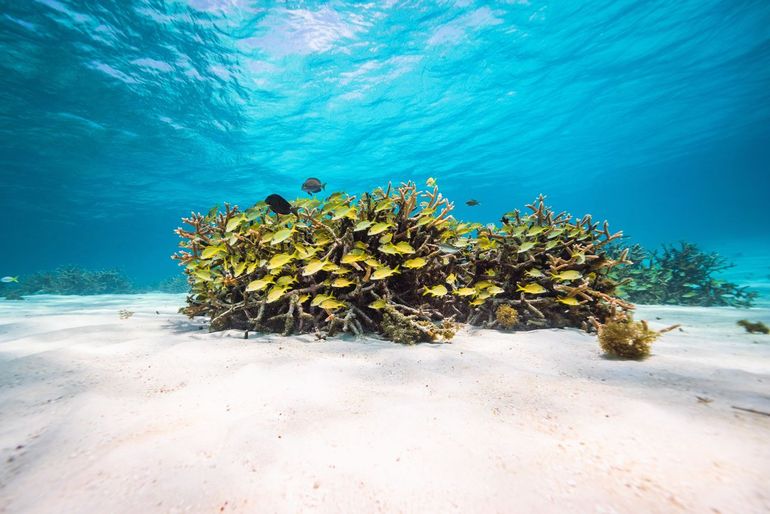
(417, 262)
(447, 248)
(532, 288)
(383, 272)
(567, 275)
(568, 300)
(8, 280)
(332, 304)
(312, 186)
(279, 205)
(439, 290)
(472, 202)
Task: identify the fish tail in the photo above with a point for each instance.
(323, 186)
(14, 279)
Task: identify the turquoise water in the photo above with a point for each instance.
(118, 117)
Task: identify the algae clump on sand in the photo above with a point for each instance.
(394, 261)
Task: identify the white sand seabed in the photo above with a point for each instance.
(151, 414)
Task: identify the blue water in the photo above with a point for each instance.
(118, 117)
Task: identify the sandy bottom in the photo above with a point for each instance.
(151, 414)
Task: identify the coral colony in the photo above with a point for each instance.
(395, 262)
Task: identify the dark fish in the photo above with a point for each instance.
(472, 202)
(279, 205)
(504, 220)
(447, 248)
(312, 186)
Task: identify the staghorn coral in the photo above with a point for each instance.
(394, 261)
(682, 275)
(507, 317)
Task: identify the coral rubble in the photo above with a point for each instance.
(394, 261)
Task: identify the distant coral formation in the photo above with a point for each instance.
(76, 281)
(678, 275)
(394, 261)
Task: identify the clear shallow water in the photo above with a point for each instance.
(117, 117)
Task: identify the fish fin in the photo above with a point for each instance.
(14, 279)
(323, 186)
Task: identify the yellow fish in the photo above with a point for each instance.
(362, 225)
(332, 304)
(482, 285)
(378, 304)
(495, 290)
(567, 275)
(465, 291)
(451, 278)
(490, 273)
(378, 228)
(389, 248)
(354, 256)
(383, 272)
(478, 301)
(404, 247)
(431, 182)
(330, 266)
(312, 267)
(535, 231)
(285, 280)
(534, 273)
(212, 251)
(386, 238)
(374, 263)
(279, 260)
(439, 290)
(568, 300)
(384, 205)
(320, 298)
(281, 236)
(417, 262)
(526, 247)
(342, 282)
(276, 293)
(344, 212)
(551, 244)
(532, 288)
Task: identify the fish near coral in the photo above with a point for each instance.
(532, 288)
(567, 275)
(437, 291)
(472, 203)
(342, 282)
(279, 205)
(383, 272)
(259, 284)
(416, 263)
(312, 186)
(378, 228)
(332, 304)
(568, 300)
(465, 291)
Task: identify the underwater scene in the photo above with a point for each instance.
(395, 256)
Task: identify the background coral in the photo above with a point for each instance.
(678, 275)
(394, 258)
(75, 281)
